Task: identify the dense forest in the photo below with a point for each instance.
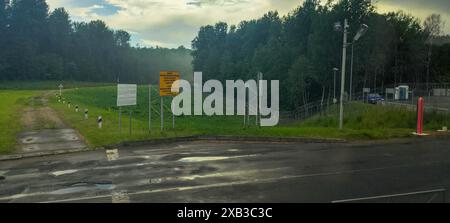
(299, 49)
(302, 48)
(36, 44)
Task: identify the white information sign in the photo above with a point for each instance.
(126, 94)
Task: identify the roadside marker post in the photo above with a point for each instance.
(60, 89)
(76, 108)
(420, 116)
(420, 111)
(100, 122)
(86, 113)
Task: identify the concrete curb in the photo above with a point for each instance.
(176, 139)
(46, 153)
(271, 139)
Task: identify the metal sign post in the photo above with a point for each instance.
(166, 80)
(162, 114)
(149, 108)
(120, 119)
(126, 96)
(131, 112)
(259, 96)
(173, 120)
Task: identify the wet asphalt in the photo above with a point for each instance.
(211, 171)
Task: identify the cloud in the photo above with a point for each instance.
(434, 5)
(170, 23)
(201, 3)
(419, 8)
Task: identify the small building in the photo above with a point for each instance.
(401, 92)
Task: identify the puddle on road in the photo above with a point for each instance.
(63, 172)
(210, 158)
(80, 187)
(69, 190)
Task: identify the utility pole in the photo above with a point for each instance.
(344, 58)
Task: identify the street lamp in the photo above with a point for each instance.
(358, 35)
(334, 88)
(338, 27)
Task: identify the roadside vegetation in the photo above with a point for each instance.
(11, 104)
(362, 121)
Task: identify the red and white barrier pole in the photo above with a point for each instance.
(420, 116)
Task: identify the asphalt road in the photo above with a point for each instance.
(208, 171)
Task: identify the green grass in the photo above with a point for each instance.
(10, 104)
(46, 85)
(360, 116)
(362, 121)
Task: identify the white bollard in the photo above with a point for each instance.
(76, 108)
(86, 111)
(100, 122)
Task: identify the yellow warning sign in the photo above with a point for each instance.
(166, 80)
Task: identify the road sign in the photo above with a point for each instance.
(166, 80)
(366, 90)
(126, 94)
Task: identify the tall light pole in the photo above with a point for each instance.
(360, 33)
(338, 27)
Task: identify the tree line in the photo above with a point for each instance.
(302, 48)
(36, 44)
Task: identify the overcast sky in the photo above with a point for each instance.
(171, 23)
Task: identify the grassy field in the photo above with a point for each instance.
(360, 116)
(362, 121)
(10, 104)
